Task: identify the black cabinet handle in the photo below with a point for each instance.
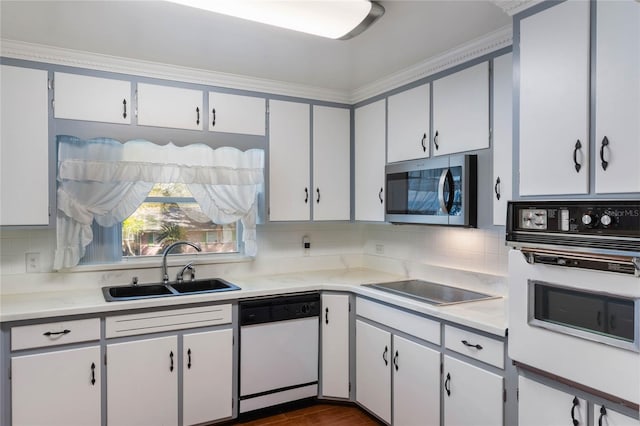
(306, 195)
(605, 163)
(395, 360)
(424, 139)
(318, 191)
(326, 315)
(447, 384)
(198, 116)
(576, 403)
(213, 113)
(55, 333)
(171, 358)
(380, 196)
(93, 373)
(435, 140)
(496, 188)
(384, 355)
(471, 345)
(577, 165)
(124, 107)
(189, 359)
(603, 412)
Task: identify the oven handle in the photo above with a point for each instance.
(549, 257)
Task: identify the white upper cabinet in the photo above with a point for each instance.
(502, 136)
(237, 114)
(554, 100)
(331, 163)
(370, 161)
(408, 124)
(617, 96)
(289, 161)
(79, 97)
(173, 107)
(461, 111)
(24, 147)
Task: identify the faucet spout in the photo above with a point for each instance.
(165, 274)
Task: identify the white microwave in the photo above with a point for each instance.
(437, 191)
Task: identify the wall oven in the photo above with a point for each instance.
(574, 293)
(440, 191)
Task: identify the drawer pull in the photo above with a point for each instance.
(55, 333)
(478, 347)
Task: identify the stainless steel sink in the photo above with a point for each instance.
(432, 293)
(136, 292)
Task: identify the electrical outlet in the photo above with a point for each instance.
(379, 248)
(306, 242)
(33, 262)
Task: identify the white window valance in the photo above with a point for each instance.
(105, 180)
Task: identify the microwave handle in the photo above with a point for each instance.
(445, 177)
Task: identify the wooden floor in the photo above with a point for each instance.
(316, 414)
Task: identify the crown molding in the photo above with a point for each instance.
(512, 7)
(94, 61)
(474, 49)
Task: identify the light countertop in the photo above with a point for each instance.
(487, 315)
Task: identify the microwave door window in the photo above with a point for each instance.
(423, 193)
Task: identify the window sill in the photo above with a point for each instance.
(172, 260)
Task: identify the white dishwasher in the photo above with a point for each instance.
(278, 350)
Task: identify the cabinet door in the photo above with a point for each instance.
(373, 373)
(408, 123)
(237, 114)
(472, 395)
(79, 97)
(331, 163)
(604, 416)
(416, 384)
(335, 345)
(554, 100)
(502, 136)
(289, 161)
(142, 382)
(173, 107)
(56, 388)
(370, 161)
(207, 376)
(541, 405)
(461, 111)
(24, 147)
(618, 96)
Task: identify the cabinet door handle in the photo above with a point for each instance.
(93, 373)
(171, 359)
(577, 147)
(306, 195)
(395, 361)
(56, 333)
(435, 140)
(496, 188)
(603, 412)
(124, 108)
(471, 345)
(605, 163)
(424, 139)
(213, 113)
(380, 196)
(447, 384)
(198, 116)
(326, 315)
(189, 359)
(576, 402)
(384, 355)
(318, 191)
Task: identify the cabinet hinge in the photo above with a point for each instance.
(517, 395)
(441, 368)
(50, 83)
(53, 104)
(9, 368)
(233, 340)
(105, 358)
(504, 395)
(349, 386)
(349, 306)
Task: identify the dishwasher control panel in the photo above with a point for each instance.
(280, 308)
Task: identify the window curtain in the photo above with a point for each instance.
(105, 180)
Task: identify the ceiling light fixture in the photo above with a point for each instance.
(336, 19)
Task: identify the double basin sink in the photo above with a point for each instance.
(148, 291)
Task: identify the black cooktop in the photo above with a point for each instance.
(435, 294)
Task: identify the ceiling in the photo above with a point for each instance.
(158, 31)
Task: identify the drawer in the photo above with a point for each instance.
(415, 325)
(474, 345)
(54, 333)
(175, 319)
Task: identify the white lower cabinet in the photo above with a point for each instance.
(335, 345)
(472, 395)
(542, 405)
(373, 377)
(56, 388)
(142, 382)
(604, 416)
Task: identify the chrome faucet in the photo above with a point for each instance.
(165, 275)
